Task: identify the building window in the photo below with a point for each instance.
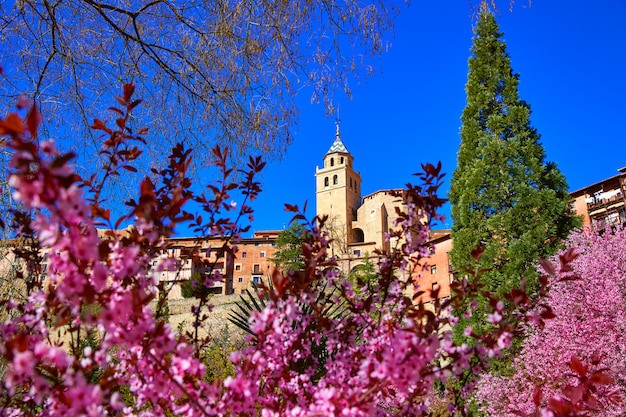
(433, 269)
(326, 182)
(238, 267)
(262, 254)
(256, 280)
(335, 180)
(341, 160)
(350, 182)
(357, 252)
(240, 279)
(332, 162)
(243, 254)
(256, 269)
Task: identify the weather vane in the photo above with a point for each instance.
(337, 123)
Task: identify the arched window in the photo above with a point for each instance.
(335, 180)
(326, 182)
(332, 162)
(358, 236)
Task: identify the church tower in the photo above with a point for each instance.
(338, 194)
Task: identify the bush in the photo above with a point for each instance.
(588, 297)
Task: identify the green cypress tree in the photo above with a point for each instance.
(504, 196)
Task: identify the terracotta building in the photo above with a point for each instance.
(437, 273)
(253, 260)
(195, 256)
(602, 203)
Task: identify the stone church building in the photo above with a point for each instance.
(357, 225)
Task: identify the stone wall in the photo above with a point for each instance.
(180, 312)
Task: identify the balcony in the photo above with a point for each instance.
(599, 204)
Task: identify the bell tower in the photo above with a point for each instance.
(338, 194)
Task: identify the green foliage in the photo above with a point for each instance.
(216, 355)
(364, 277)
(162, 310)
(187, 289)
(194, 287)
(247, 304)
(257, 300)
(505, 198)
(288, 255)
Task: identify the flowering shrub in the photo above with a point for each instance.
(382, 355)
(588, 297)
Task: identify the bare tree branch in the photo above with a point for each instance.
(208, 70)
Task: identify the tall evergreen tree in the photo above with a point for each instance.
(505, 197)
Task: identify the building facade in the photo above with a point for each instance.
(197, 258)
(602, 203)
(358, 225)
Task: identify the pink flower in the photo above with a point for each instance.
(494, 317)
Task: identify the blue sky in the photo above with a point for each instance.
(571, 57)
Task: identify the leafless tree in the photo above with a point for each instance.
(208, 70)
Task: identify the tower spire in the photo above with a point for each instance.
(337, 124)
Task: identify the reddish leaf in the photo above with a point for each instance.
(591, 402)
(116, 110)
(547, 313)
(577, 366)
(537, 396)
(100, 125)
(23, 102)
(478, 253)
(567, 257)
(129, 90)
(133, 104)
(291, 208)
(547, 266)
(33, 120)
(279, 282)
(147, 188)
(600, 378)
(12, 125)
(573, 393)
(121, 101)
